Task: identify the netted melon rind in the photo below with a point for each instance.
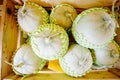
(67, 24)
(106, 65)
(42, 63)
(70, 72)
(51, 28)
(79, 38)
(44, 17)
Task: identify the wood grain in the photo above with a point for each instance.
(101, 75)
(8, 36)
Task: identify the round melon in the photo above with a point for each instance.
(30, 16)
(107, 55)
(63, 15)
(49, 41)
(77, 61)
(25, 61)
(94, 28)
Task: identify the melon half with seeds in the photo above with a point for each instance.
(94, 28)
(30, 15)
(63, 15)
(49, 41)
(25, 61)
(77, 61)
(107, 55)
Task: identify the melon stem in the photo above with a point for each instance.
(68, 14)
(113, 6)
(23, 11)
(19, 65)
(82, 60)
(48, 38)
(54, 35)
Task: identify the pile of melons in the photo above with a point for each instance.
(93, 31)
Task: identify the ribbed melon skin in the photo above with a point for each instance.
(67, 67)
(50, 28)
(42, 62)
(63, 15)
(111, 46)
(80, 38)
(29, 18)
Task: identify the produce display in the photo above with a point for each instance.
(49, 37)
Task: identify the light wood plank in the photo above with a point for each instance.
(101, 75)
(1, 6)
(8, 37)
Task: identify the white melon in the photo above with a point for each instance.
(77, 61)
(30, 16)
(107, 55)
(26, 62)
(94, 28)
(49, 41)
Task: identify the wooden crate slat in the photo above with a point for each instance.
(104, 75)
(9, 33)
(1, 6)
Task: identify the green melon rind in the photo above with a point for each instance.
(52, 19)
(51, 27)
(40, 8)
(43, 62)
(67, 69)
(25, 34)
(79, 38)
(98, 63)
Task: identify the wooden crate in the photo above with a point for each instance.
(10, 39)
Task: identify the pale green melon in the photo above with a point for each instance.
(107, 55)
(26, 62)
(30, 16)
(77, 61)
(63, 15)
(94, 28)
(49, 41)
